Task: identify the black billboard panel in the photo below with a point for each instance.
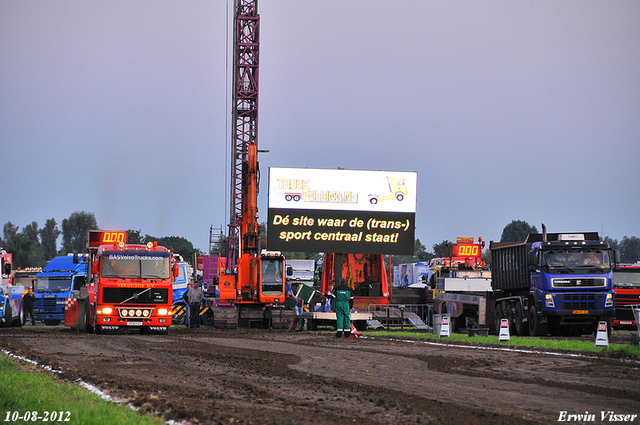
(364, 232)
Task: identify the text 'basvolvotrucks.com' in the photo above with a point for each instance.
(558, 282)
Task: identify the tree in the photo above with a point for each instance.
(177, 244)
(49, 237)
(442, 249)
(517, 231)
(133, 237)
(630, 249)
(25, 246)
(75, 231)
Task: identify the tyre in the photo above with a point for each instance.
(86, 324)
(178, 319)
(498, 311)
(536, 328)
(8, 314)
(522, 328)
(22, 315)
(399, 196)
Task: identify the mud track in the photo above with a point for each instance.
(211, 376)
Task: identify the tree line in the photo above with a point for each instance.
(35, 246)
(515, 231)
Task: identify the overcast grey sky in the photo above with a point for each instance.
(525, 110)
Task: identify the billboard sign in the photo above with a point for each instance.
(345, 211)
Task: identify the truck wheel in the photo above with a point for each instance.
(22, 315)
(8, 315)
(178, 319)
(536, 328)
(522, 328)
(86, 323)
(498, 312)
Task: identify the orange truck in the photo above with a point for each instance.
(128, 286)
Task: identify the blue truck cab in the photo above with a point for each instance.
(572, 281)
(185, 276)
(54, 285)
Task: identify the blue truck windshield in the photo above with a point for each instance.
(574, 261)
(53, 284)
(136, 266)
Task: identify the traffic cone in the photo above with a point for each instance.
(354, 332)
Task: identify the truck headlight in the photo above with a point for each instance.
(549, 301)
(107, 310)
(163, 312)
(609, 301)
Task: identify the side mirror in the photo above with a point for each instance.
(616, 255)
(289, 271)
(176, 271)
(94, 267)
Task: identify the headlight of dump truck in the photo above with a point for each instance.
(609, 301)
(105, 310)
(549, 301)
(163, 312)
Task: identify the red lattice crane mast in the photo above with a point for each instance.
(253, 279)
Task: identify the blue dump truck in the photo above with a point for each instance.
(557, 283)
(54, 285)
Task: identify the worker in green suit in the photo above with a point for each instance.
(343, 305)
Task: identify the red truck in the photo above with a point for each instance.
(626, 285)
(128, 286)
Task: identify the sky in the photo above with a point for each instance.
(507, 110)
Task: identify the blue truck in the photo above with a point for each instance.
(558, 283)
(54, 285)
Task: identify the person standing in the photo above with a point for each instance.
(330, 297)
(343, 304)
(195, 299)
(27, 303)
(187, 310)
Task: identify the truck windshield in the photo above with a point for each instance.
(53, 284)
(272, 277)
(623, 280)
(567, 260)
(136, 266)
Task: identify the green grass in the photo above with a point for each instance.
(23, 390)
(515, 342)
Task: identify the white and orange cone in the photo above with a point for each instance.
(354, 332)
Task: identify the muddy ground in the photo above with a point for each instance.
(212, 376)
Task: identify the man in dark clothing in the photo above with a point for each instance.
(195, 296)
(468, 265)
(27, 303)
(343, 305)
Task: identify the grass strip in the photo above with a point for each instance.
(515, 341)
(23, 389)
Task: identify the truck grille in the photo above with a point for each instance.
(579, 301)
(598, 282)
(46, 304)
(152, 296)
